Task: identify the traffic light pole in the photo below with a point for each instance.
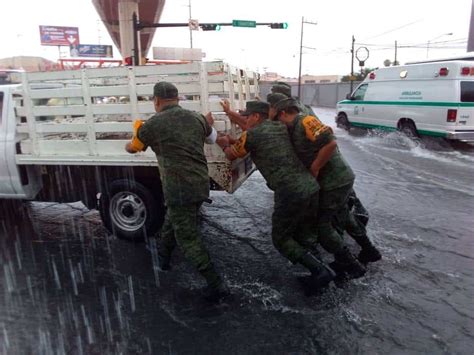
(138, 26)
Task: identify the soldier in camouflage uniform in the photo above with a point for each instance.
(177, 137)
(295, 191)
(285, 89)
(316, 147)
(360, 213)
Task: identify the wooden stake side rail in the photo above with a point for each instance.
(85, 116)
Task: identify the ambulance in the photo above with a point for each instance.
(421, 99)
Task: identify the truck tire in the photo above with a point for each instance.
(408, 128)
(130, 210)
(343, 122)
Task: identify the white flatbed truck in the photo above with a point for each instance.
(62, 137)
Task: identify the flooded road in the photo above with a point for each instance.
(68, 288)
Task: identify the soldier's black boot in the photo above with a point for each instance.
(321, 274)
(369, 253)
(344, 261)
(216, 288)
(164, 260)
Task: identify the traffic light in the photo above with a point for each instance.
(210, 27)
(283, 25)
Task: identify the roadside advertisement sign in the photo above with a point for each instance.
(91, 50)
(59, 36)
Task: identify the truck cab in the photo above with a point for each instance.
(16, 182)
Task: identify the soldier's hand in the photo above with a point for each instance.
(129, 148)
(210, 119)
(225, 105)
(314, 172)
(222, 140)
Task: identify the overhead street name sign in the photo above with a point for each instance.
(59, 36)
(244, 23)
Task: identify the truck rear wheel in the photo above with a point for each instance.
(130, 210)
(343, 122)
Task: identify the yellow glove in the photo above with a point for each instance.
(136, 143)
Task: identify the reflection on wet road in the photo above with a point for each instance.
(69, 288)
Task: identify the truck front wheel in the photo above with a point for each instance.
(130, 210)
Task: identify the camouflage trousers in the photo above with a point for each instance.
(293, 231)
(181, 228)
(334, 213)
(352, 218)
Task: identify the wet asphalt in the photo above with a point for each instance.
(67, 287)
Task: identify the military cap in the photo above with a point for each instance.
(255, 107)
(285, 104)
(272, 99)
(284, 89)
(165, 90)
(281, 83)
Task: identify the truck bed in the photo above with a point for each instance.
(84, 117)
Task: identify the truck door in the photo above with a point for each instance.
(17, 182)
(465, 115)
(5, 182)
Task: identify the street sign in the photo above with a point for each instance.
(244, 23)
(193, 25)
(59, 36)
(91, 50)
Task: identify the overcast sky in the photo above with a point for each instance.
(375, 24)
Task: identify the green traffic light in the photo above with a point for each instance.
(218, 27)
(285, 25)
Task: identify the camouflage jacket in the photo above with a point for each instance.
(272, 152)
(308, 136)
(177, 137)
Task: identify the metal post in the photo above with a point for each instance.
(301, 58)
(352, 64)
(136, 58)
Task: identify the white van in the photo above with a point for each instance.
(432, 98)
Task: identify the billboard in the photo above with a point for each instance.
(91, 50)
(59, 36)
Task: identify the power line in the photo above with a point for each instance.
(395, 29)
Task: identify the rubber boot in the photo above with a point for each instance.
(164, 262)
(321, 274)
(369, 253)
(346, 262)
(216, 288)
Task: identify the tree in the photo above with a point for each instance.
(358, 76)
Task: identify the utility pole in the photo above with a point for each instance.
(352, 64)
(301, 58)
(395, 60)
(470, 40)
(190, 30)
(301, 53)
